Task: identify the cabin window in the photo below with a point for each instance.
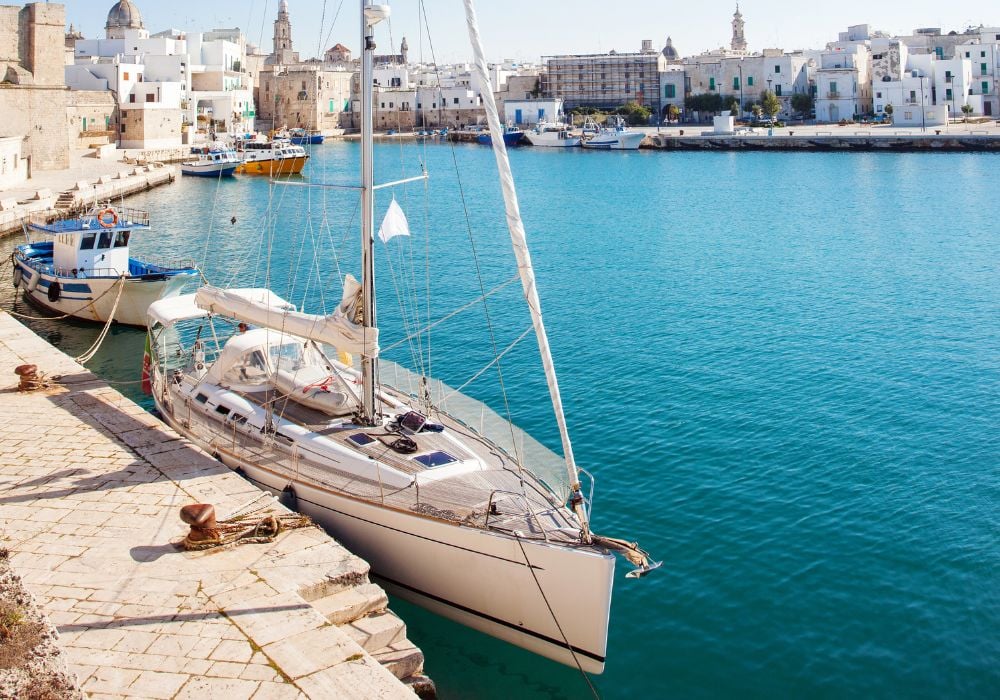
(223, 410)
(121, 239)
(249, 369)
(435, 459)
(238, 418)
(87, 241)
(105, 242)
(201, 398)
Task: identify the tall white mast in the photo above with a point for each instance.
(527, 272)
(371, 15)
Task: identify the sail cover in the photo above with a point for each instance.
(338, 329)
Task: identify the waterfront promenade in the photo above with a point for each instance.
(91, 489)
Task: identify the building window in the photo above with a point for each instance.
(986, 87)
(150, 98)
(131, 98)
(982, 54)
(913, 96)
(303, 85)
(777, 69)
(948, 94)
(750, 81)
(711, 83)
(456, 100)
(878, 95)
(383, 105)
(670, 91)
(982, 68)
(736, 83)
(777, 90)
(125, 75)
(833, 88)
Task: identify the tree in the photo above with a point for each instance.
(967, 110)
(708, 102)
(756, 110)
(888, 111)
(734, 107)
(673, 113)
(803, 103)
(770, 103)
(635, 113)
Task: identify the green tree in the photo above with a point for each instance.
(967, 110)
(888, 111)
(756, 110)
(635, 113)
(708, 102)
(770, 103)
(803, 103)
(673, 113)
(733, 105)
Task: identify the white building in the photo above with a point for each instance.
(200, 77)
(843, 82)
(530, 112)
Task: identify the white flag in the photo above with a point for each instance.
(394, 224)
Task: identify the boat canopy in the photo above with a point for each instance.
(340, 329)
(173, 310)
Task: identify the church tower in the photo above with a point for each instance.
(739, 42)
(282, 53)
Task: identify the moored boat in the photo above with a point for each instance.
(85, 272)
(454, 507)
(302, 137)
(616, 137)
(552, 135)
(272, 158)
(511, 137)
(212, 161)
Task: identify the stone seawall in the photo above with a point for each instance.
(92, 487)
(827, 142)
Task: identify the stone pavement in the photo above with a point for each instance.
(90, 489)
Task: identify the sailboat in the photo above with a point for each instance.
(454, 508)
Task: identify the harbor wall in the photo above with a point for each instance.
(827, 142)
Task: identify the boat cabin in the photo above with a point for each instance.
(96, 244)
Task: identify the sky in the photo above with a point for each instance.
(525, 30)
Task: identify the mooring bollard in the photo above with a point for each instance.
(30, 378)
(201, 518)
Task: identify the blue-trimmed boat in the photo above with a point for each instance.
(212, 161)
(84, 269)
(301, 137)
(511, 137)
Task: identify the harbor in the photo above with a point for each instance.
(92, 491)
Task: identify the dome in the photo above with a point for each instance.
(669, 52)
(124, 15)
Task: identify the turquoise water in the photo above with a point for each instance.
(783, 370)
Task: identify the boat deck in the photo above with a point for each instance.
(498, 495)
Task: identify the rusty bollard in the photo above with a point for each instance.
(204, 529)
(30, 378)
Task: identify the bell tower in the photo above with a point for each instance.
(282, 52)
(739, 42)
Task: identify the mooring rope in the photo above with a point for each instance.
(89, 355)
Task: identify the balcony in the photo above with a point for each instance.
(833, 95)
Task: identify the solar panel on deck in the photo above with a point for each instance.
(435, 459)
(361, 439)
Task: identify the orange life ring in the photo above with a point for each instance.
(104, 222)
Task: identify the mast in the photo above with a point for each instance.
(371, 15)
(524, 267)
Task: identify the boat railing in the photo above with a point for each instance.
(493, 509)
(98, 218)
(154, 265)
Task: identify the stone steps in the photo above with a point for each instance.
(376, 631)
(352, 603)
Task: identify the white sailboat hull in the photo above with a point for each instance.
(620, 141)
(551, 139)
(476, 577)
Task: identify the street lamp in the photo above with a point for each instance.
(923, 113)
(741, 86)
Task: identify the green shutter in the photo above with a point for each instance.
(736, 83)
(986, 87)
(711, 83)
(750, 81)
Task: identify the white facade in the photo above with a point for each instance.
(843, 82)
(531, 112)
(13, 168)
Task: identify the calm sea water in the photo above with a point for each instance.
(783, 370)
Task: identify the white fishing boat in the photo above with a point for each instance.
(455, 508)
(211, 161)
(616, 137)
(552, 135)
(79, 266)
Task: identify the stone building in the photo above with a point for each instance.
(606, 81)
(33, 95)
(303, 96)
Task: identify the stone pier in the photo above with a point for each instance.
(90, 489)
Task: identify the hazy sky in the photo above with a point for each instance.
(527, 29)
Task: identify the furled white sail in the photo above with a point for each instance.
(338, 329)
(394, 224)
(520, 243)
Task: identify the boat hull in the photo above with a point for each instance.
(626, 141)
(474, 576)
(552, 140)
(93, 298)
(313, 140)
(273, 167)
(210, 170)
(510, 138)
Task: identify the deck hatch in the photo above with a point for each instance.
(435, 459)
(361, 439)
